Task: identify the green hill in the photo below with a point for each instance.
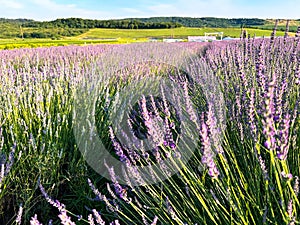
(69, 27)
(17, 33)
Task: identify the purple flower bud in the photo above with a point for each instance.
(19, 216)
(98, 217)
(91, 219)
(296, 186)
(288, 176)
(290, 208)
(34, 221)
(207, 157)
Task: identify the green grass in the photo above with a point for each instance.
(167, 33)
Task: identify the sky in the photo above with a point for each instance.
(45, 10)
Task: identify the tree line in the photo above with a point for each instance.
(207, 21)
(88, 23)
(139, 23)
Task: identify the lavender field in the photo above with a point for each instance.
(193, 133)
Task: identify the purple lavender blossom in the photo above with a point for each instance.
(170, 209)
(54, 203)
(118, 148)
(11, 159)
(268, 121)
(284, 139)
(263, 167)
(290, 208)
(65, 219)
(95, 190)
(35, 221)
(153, 124)
(189, 106)
(207, 157)
(98, 217)
(252, 121)
(91, 219)
(214, 130)
(296, 186)
(19, 215)
(297, 32)
(120, 191)
(116, 222)
(285, 175)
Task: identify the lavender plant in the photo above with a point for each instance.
(36, 87)
(254, 175)
(244, 164)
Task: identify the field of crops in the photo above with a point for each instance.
(7, 44)
(182, 32)
(151, 133)
(123, 36)
(281, 25)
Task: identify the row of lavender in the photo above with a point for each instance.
(36, 91)
(249, 175)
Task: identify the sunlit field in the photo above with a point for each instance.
(125, 36)
(200, 133)
(182, 32)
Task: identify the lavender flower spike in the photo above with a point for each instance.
(91, 219)
(207, 157)
(34, 221)
(19, 217)
(99, 220)
(284, 140)
(65, 219)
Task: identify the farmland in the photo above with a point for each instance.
(151, 133)
(168, 33)
(121, 36)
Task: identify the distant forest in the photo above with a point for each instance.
(206, 21)
(139, 23)
(27, 28)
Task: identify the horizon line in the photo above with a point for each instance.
(148, 18)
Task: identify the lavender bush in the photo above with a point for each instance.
(239, 99)
(252, 177)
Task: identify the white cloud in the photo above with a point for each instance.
(190, 8)
(163, 9)
(225, 8)
(132, 10)
(11, 4)
(51, 5)
(194, 8)
(50, 10)
(287, 9)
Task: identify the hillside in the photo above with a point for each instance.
(269, 24)
(182, 32)
(206, 21)
(122, 36)
(69, 27)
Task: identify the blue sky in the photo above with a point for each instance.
(113, 9)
